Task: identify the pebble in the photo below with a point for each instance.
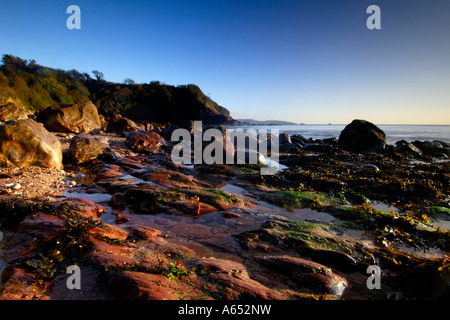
(12, 186)
(16, 186)
(73, 183)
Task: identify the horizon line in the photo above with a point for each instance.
(336, 124)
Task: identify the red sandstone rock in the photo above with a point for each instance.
(139, 141)
(86, 208)
(111, 260)
(109, 231)
(145, 233)
(32, 233)
(120, 218)
(307, 274)
(139, 285)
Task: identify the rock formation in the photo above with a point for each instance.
(76, 118)
(85, 148)
(26, 143)
(362, 136)
(11, 111)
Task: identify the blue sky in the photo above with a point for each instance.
(311, 61)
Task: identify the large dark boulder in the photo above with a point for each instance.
(27, 143)
(362, 136)
(75, 118)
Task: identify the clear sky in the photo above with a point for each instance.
(311, 61)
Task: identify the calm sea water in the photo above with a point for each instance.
(393, 132)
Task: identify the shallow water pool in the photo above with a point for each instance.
(96, 197)
(441, 223)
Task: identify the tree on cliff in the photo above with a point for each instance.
(99, 75)
(129, 81)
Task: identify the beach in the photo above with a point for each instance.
(141, 227)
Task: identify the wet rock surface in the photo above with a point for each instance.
(142, 141)
(140, 227)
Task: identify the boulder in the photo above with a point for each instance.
(362, 136)
(121, 124)
(406, 148)
(27, 143)
(84, 148)
(103, 122)
(297, 138)
(432, 147)
(144, 141)
(284, 139)
(11, 111)
(106, 171)
(76, 118)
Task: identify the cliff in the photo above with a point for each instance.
(37, 87)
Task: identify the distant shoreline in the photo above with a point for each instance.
(393, 132)
(334, 124)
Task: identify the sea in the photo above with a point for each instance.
(393, 133)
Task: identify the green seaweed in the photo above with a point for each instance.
(301, 199)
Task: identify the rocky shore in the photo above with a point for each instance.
(140, 227)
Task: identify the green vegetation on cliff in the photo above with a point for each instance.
(36, 87)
